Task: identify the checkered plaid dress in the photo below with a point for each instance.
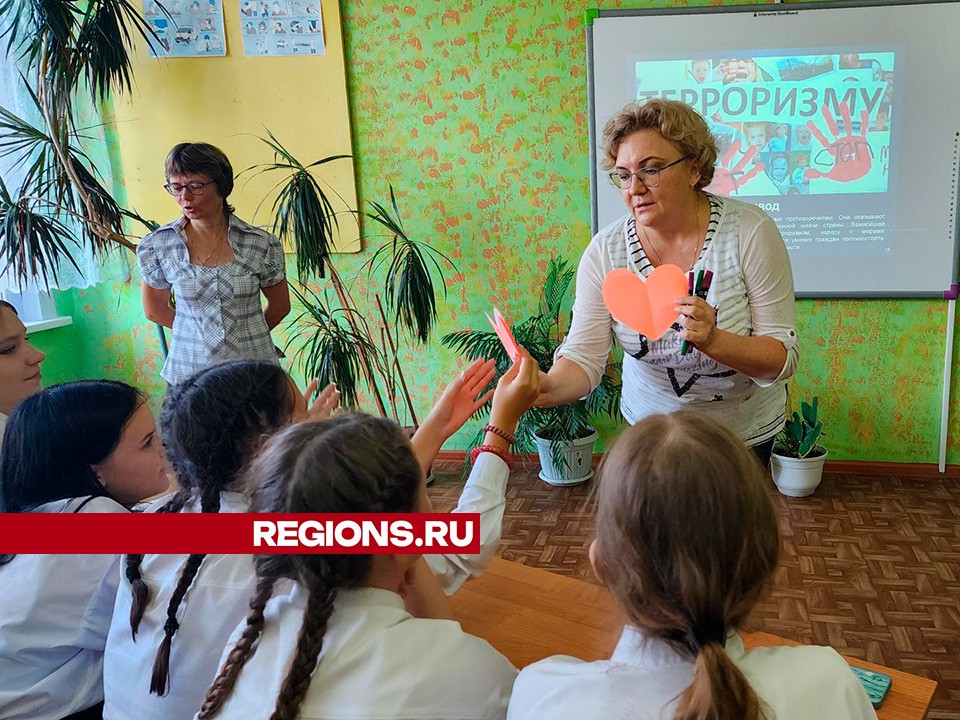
(219, 314)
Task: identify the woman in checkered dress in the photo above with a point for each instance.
(215, 265)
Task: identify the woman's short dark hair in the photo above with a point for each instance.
(203, 159)
(55, 435)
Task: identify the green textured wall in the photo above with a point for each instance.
(476, 113)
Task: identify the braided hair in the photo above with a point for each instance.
(212, 424)
(352, 463)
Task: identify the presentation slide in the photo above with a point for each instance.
(800, 131)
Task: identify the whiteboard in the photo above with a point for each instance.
(841, 120)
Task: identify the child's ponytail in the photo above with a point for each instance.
(687, 541)
(719, 690)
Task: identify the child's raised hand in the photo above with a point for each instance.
(461, 399)
(457, 404)
(516, 392)
(326, 403)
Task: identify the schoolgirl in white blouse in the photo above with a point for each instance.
(19, 363)
(174, 613)
(327, 636)
(88, 446)
(687, 541)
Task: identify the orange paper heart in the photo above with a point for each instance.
(649, 306)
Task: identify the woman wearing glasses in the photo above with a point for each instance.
(742, 337)
(217, 267)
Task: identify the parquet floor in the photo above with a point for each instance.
(870, 564)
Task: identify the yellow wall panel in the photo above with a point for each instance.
(229, 101)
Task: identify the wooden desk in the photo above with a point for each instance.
(529, 614)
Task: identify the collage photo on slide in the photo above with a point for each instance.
(791, 123)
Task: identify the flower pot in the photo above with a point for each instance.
(798, 477)
(578, 454)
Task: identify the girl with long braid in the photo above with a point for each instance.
(174, 613)
(213, 424)
(687, 542)
(337, 641)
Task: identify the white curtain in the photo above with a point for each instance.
(115, 265)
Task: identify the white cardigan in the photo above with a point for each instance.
(752, 290)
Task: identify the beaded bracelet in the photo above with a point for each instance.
(500, 453)
(502, 433)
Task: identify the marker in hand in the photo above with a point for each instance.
(698, 288)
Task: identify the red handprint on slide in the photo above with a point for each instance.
(726, 179)
(851, 153)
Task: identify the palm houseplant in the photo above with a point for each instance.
(53, 201)
(338, 339)
(563, 436)
(797, 459)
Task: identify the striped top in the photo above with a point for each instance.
(752, 291)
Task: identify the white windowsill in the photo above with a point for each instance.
(50, 324)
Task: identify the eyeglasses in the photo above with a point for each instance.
(649, 176)
(194, 188)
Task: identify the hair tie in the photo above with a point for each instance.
(171, 626)
(695, 640)
(690, 640)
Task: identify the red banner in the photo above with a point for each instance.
(224, 533)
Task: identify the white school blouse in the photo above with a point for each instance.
(752, 290)
(484, 493)
(54, 614)
(643, 678)
(217, 600)
(377, 662)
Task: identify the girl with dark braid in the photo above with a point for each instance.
(687, 542)
(213, 424)
(336, 642)
(174, 613)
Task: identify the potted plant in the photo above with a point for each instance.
(563, 435)
(797, 460)
(338, 340)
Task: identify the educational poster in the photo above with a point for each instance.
(788, 124)
(186, 28)
(281, 27)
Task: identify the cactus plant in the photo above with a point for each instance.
(800, 433)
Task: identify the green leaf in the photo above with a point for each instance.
(409, 285)
(32, 244)
(809, 412)
(329, 348)
(302, 212)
